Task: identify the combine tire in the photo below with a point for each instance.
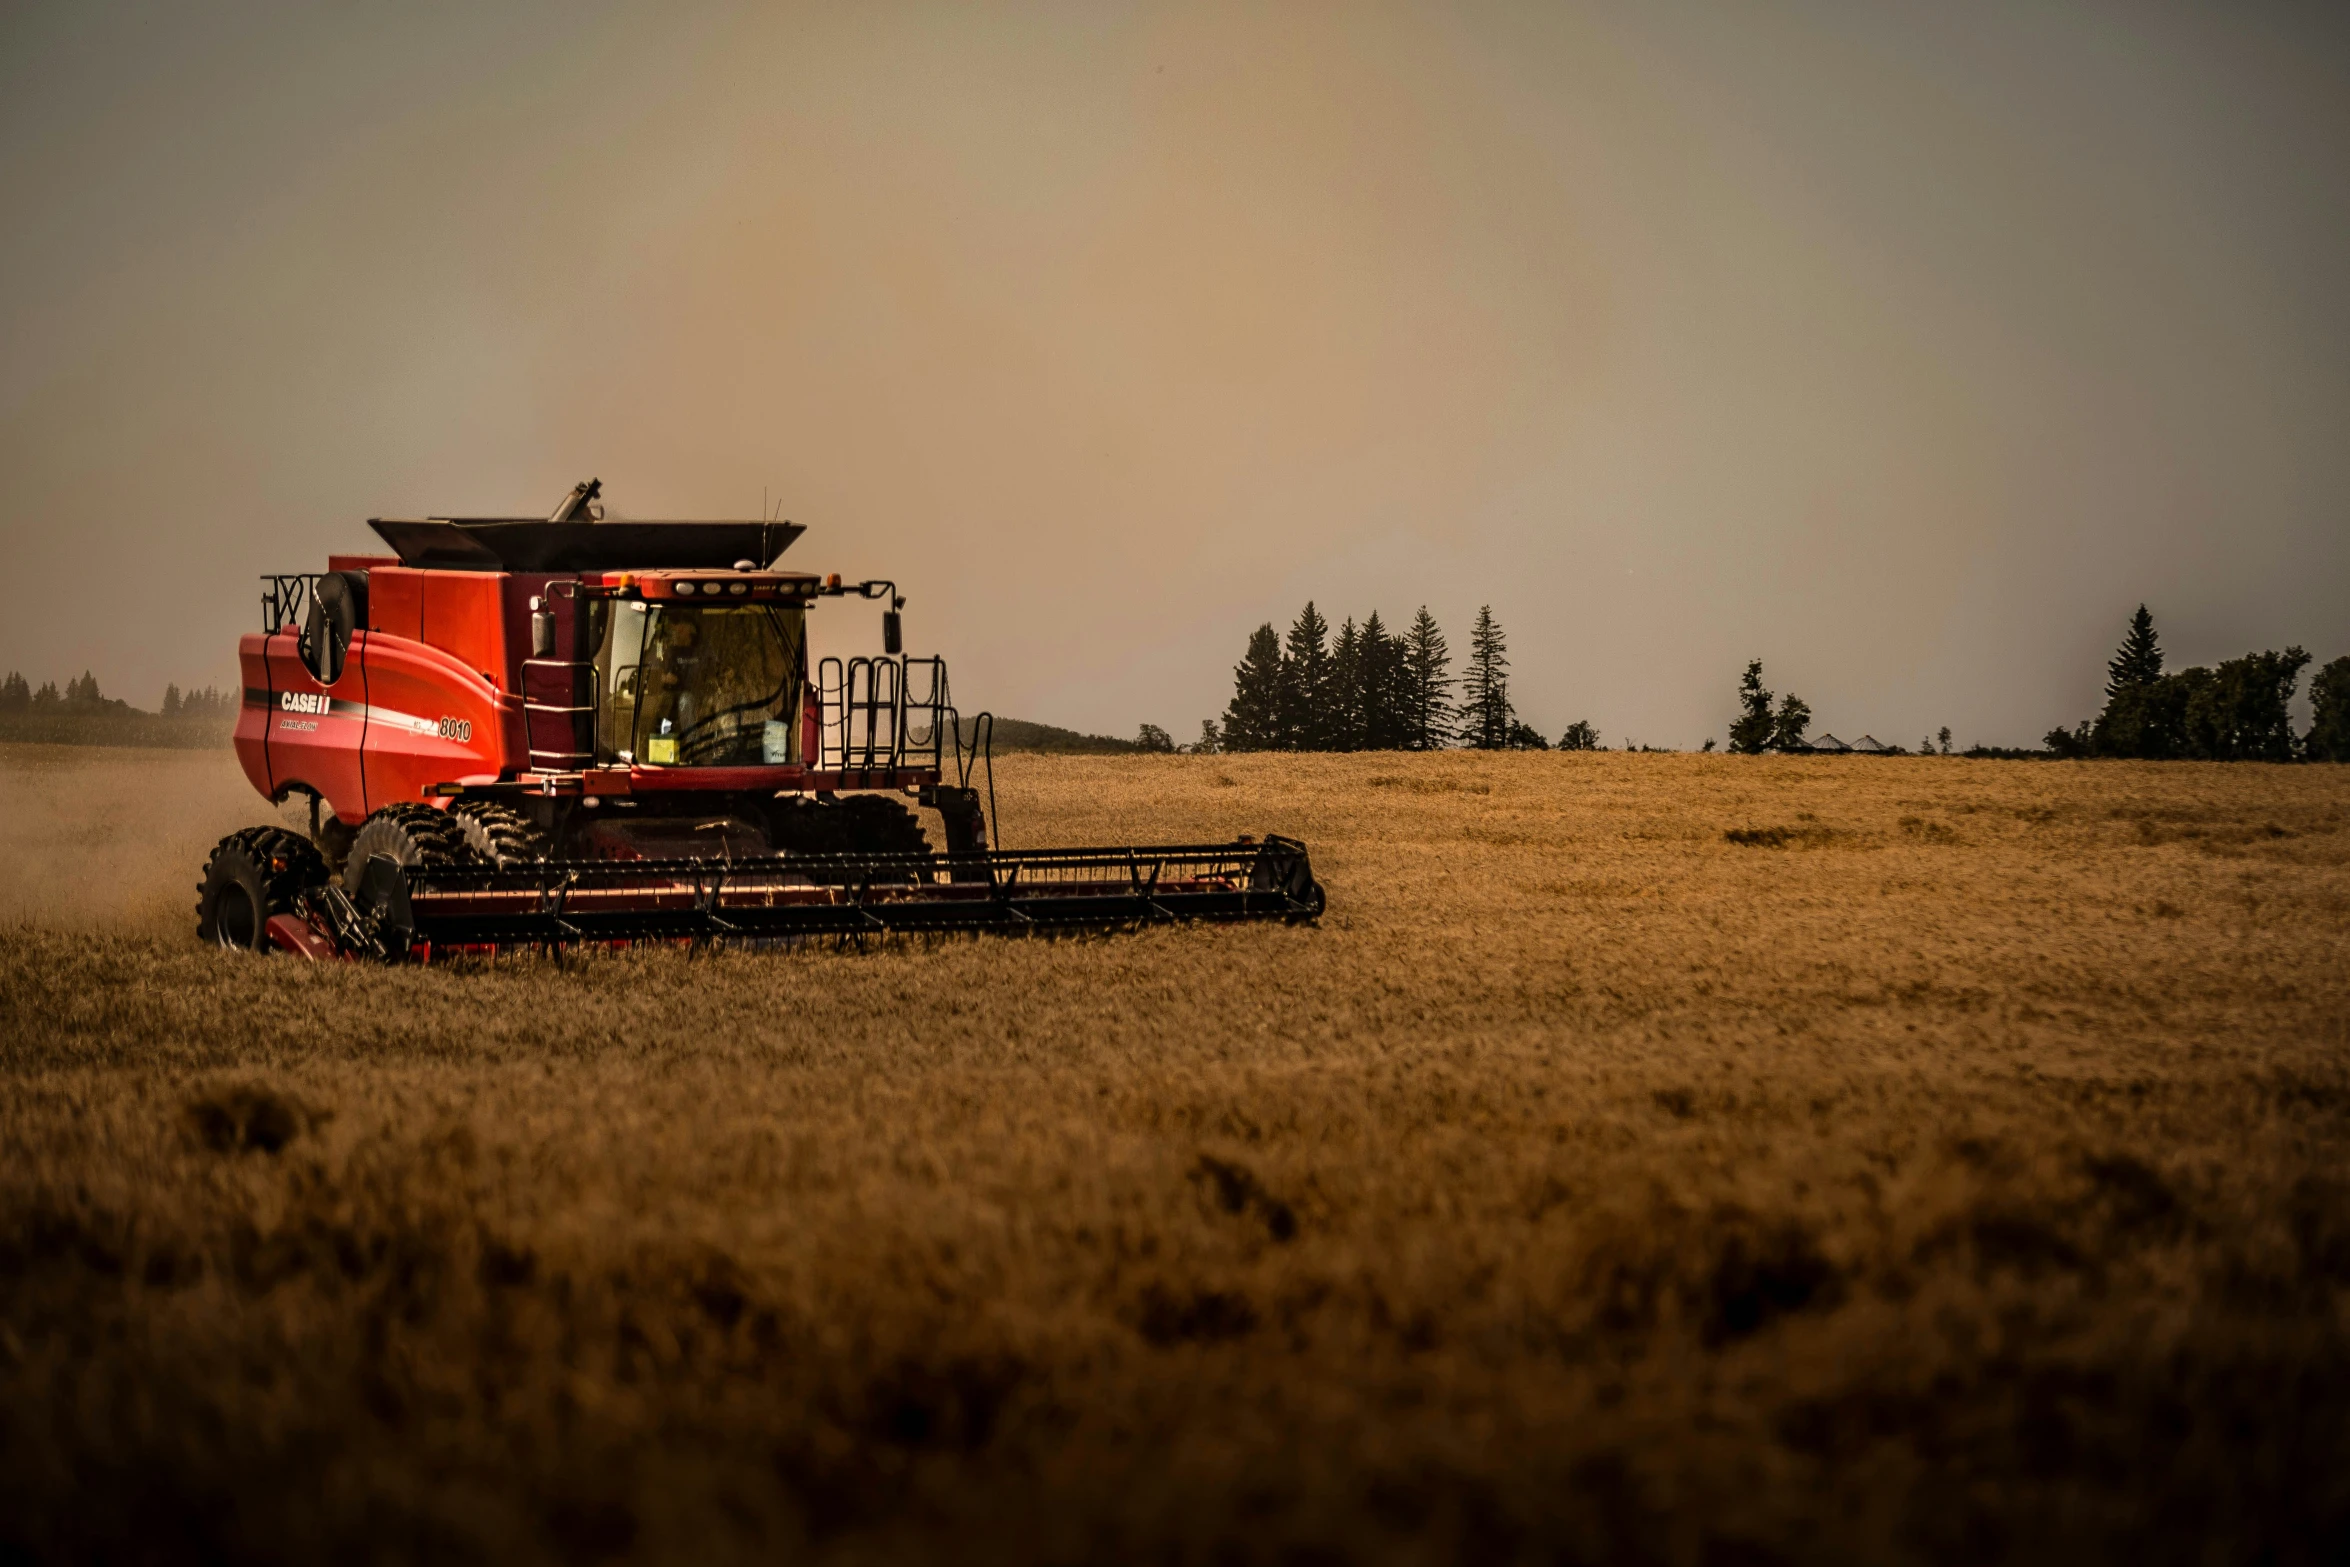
(407, 835)
(498, 834)
(252, 875)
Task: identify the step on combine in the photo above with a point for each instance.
(526, 732)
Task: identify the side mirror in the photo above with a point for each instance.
(542, 633)
(893, 636)
(337, 609)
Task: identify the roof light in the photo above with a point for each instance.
(738, 587)
(683, 587)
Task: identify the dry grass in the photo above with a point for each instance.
(1649, 1158)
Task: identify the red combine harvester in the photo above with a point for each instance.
(513, 731)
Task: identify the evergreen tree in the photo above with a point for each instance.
(15, 694)
(1343, 717)
(1524, 736)
(1750, 734)
(1424, 697)
(2144, 709)
(1384, 721)
(1152, 738)
(1253, 721)
(1211, 739)
(1787, 729)
(1581, 736)
(1305, 684)
(171, 701)
(1485, 687)
(2328, 739)
(2138, 661)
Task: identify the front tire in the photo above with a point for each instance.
(411, 834)
(253, 875)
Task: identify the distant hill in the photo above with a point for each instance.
(1017, 734)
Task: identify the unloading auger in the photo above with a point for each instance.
(523, 732)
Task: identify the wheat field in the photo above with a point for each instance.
(1679, 1159)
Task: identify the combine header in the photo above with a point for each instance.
(523, 732)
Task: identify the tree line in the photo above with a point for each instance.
(2236, 712)
(2239, 711)
(82, 696)
(1371, 689)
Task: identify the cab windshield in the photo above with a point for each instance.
(689, 686)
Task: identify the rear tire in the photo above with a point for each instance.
(253, 875)
(410, 834)
(499, 834)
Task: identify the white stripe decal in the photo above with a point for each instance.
(319, 703)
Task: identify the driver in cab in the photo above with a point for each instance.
(674, 688)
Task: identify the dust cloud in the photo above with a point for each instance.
(93, 837)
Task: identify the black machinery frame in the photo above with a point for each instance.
(556, 903)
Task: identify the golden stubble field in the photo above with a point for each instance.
(1952, 1169)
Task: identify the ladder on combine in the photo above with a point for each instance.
(559, 694)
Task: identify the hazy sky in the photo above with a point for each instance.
(1905, 347)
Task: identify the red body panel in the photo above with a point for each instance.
(289, 933)
(431, 719)
(395, 603)
(464, 617)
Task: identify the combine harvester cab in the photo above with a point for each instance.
(513, 731)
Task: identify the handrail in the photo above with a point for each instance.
(982, 724)
(869, 718)
(287, 599)
(883, 699)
